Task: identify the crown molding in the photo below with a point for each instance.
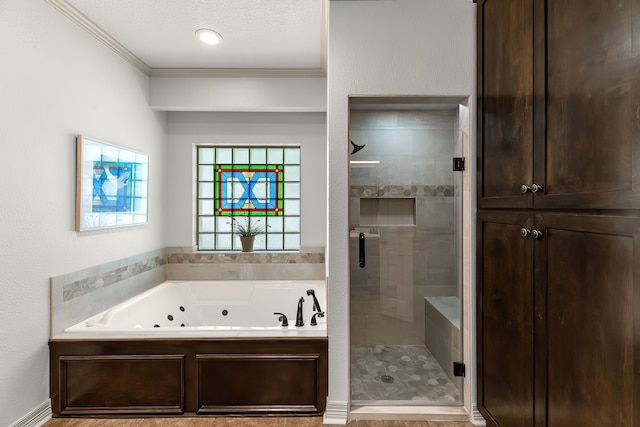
(99, 34)
(238, 72)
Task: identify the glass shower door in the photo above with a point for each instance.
(404, 277)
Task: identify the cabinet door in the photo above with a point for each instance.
(587, 285)
(505, 102)
(505, 319)
(587, 131)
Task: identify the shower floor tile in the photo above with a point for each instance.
(415, 374)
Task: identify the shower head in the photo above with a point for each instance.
(356, 147)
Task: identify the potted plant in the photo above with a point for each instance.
(247, 229)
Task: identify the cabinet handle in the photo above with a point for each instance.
(535, 188)
(537, 234)
(524, 188)
(524, 232)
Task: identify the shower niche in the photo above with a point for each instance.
(376, 212)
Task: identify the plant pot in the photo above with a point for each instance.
(247, 243)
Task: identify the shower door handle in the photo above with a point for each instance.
(361, 249)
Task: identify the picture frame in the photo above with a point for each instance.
(111, 185)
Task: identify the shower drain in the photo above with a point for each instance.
(387, 379)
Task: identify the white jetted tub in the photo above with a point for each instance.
(197, 348)
(240, 308)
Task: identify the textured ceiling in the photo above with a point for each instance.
(257, 34)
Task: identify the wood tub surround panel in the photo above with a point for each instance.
(258, 383)
(122, 384)
(188, 376)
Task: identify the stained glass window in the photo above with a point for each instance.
(256, 183)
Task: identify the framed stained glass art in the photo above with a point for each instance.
(111, 185)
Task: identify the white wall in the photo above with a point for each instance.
(241, 94)
(381, 47)
(185, 129)
(56, 81)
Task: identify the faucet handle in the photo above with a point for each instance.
(313, 318)
(283, 319)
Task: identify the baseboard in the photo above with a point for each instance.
(476, 417)
(36, 417)
(336, 413)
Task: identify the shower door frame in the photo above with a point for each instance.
(465, 411)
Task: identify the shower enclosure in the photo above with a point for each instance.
(405, 262)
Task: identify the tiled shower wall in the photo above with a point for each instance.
(84, 293)
(407, 259)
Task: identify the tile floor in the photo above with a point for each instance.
(407, 364)
(403, 363)
(237, 422)
(399, 372)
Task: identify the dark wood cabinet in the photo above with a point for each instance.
(558, 324)
(587, 138)
(587, 272)
(505, 319)
(558, 104)
(558, 233)
(505, 102)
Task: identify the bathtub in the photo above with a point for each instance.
(196, 348)
(212, 308)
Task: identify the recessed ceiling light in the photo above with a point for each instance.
(208, 36)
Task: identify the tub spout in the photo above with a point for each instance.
(316, 304)
(283, 319)
(299, 321)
